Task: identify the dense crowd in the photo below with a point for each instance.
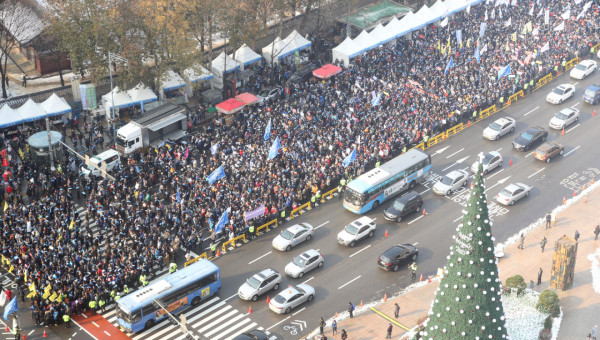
(161, 200)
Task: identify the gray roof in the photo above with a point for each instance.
(21, 20)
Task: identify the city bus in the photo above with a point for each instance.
(176, 292)
(372, 188)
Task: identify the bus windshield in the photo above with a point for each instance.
(125, 316)
(353, 197)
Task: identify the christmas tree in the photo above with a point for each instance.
(468, 303)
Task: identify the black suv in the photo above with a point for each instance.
(303, 74)
(530, 138)
(403, 205)
(392, 258)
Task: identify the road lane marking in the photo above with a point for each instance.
(576, 104)
(576, 83)
(95, 324)
(537, 107)
(309, 279)
(529, 154)
(279, 322)
(349, 282)
(498, 150)
(422, 192)
(573, 128)
(260, 257)
(361, 250)
(414, 244)
(446, 168)
(107, 333)
(456, 220)
(322, 224)
(455, 153)
(535, 173)
(495, 173)
(299, 311)
(575, 148)
(231, 297)
(486, 190)
(416, 219)
(28, 334)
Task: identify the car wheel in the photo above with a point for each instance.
(449, 192)
(301, 274)
(149, 324)
(195, 301)
(287, 310)
(414, 257)
(288, 248)
(371, 233)
(497, 137)
(254, 297)
(512, 202)
(561, 152)
(395, 268)
(321, 264)
(375, 204)
(308, 237)
(310, 298)
(548, 160)
(276, 286)
(412, 184)
(512, 129)
(560, 101)
(352, 244)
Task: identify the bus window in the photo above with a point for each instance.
(137, 316)
(148, 309)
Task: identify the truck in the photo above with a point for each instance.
(165, 122)
(592, 94)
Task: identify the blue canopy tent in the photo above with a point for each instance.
(9, 117)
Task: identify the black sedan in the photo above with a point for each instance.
(392, 258)
(252, 335)
(530, 138)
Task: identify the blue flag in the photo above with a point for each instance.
(216, 175)
(214, 148)
(450, 64)
(10, 308)
(477, 56)
(376, 99)
(178, 196)
(223, 220)
(267, 135)
(503, 72)
(350, 158)
(274, 150)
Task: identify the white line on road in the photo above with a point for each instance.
(535, 173)
(298, 312)
(575, 148)
(537, 107)
(529, 154)
(231, 297)
(495, 173)
(576, 83)
(312, 277)
(416, 219)
(107, 333)
(573, 128)
(414, 244)
(486, 190)
(95, 324)
(322, 224)
(424, 191)
(349, 282)
(455, 153)
(260, 257)
(498, 150)
(360, 250)
(458, 219)
(576, 104)
(28, 334)
(83, 314)
(279, 323)
(448, 167)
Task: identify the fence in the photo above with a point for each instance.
(329, 193)
(266, 226)
(232, 241)
(300, 209)
(201, 256)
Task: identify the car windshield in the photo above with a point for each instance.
(560, 115)
(96, 162)
(581, 67)
(495, 126)
(299, 261)
(351, 229)
(121, 142)
(286, 234)
(253, 282)
(123, 315)
(264, 93)
(488, 157)
(559, 91)
(447, 180)
(506, 193)
(279, 299)
(526, 135)
(353, 197)
(398, 205)
(590, 93)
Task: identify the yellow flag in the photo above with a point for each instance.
(53, 297)
(32, 294)
(46, 294)
(438, 45)
(156, 150)
(168, 146)
(25, 279)
(529, 27)
(48, 288)
(5, 205)
(469, 42)
(60, 298)
(524, 30)
(72, 224)
(514, 36)
(32, 287)
(12, 267)
(21, 154)
(27, 148)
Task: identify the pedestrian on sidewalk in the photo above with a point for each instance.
(413, 268)
(539, 282)
(334, 326)
(24, 83)
(596, 232)
(350, 309)
(521, 241)
(389, 331)
(592, 335)
(321, 325)
(577, 235)
(543, 243)
(344, 335)
(396, 310)
(548, 220)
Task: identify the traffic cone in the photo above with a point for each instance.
(563, 132)
(594, 114)
(574, 193)
(564, 200)
(468, 123)
(424, 212)
(6, 329)
(510, 163)
(45, 335)
(361, 304)
(583, 188)
(250, 310)
(24, 336)
(336, 316)
(421, 279)
(268, 300)
(386, 233)
(218, 252)
(429, 279)
(585, 200)
(385, 297)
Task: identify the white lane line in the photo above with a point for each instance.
(416, 219)
(535, 173)
(360, 250)
(495, 173)
(448, 167)
(537, 107)
(424, 191)
(458, 219)
(74, 333)
(529, 154)
(231, 297)
(486, 190)
(322, 224)
(375, 218)
(455, 153)
(95, 324)
(576, 104)
(349, 282)
(309, 279)
(298, 312)
(575, 148)
(218, 321)
(576, 83)
(107, 333)
(498, 150)
(243, 330)
(197, 316)
(278, 323)
(573, 128)
(83, 314)
(28, 334)
(229, 329)
(260, 257)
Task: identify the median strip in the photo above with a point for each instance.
(389, 318)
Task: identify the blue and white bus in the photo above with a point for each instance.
(371, 189)
(177, 291)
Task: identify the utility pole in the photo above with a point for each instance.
(86, 159)
(112, 94)
(182, 322)
(50, 151)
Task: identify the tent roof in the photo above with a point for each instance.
(230, 106)
(197, 73)
(294, 42)
(31, 111)
(9, 117)
(364, 42)
(411, 22)
(246, 56)
(223, 64)
(141, 94)
(327, 71)
(457, 5)
(55, 105)
(440, 8)
(347, 45)
(426, 16)
(121, 98)
(382, 34)
(247, 98)
(171, 81)
(275, 48)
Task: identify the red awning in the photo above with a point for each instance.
(247, 98)
(327, 71)
(230, 106)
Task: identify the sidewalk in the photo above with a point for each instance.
(580, 304)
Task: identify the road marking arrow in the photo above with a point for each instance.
(440, 151)
(300, 323)
(457, 162)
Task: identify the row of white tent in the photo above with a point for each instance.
(281, 48)
(32, 111)
(365, 41)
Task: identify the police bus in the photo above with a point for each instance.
(371, 189)
(176, 292)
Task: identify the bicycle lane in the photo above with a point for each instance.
(98, 327)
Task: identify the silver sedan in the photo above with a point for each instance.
(293, 236)
(304, 263)
(291, 298)
(512, 193)
(451, 182)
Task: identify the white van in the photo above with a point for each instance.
(111, 157)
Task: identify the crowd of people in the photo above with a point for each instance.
(161, 201)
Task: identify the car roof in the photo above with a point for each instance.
(265, 273)
(493, 153)
(309, 253)
(362, 221)
(395, 250)
(544, 147)
(587, 62)
(289, 292)
(297, 227)
(568, 110)
(512, 187)
(534, 129)
(503, 120)
(454, 174)
(564, 86)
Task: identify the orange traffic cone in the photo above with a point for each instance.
(585, 200)
(563, 132)
(268, 300)
(335, 316)
(24, 336)
(361, 304)
(384, 297)
(6, 329)
(594, 114)
(424, 212)
(510, 163)
(574, 193)
(386, 233)
(469, 123)
(583, 188)
(421, 279)
(250, 310)
(45, 335)
(564, 200)
(218, 252)
(429, 279)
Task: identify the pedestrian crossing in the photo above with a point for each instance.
(213, 319)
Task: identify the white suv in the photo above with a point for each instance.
(259, 284)
(356, 231)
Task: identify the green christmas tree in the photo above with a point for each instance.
(468, 303)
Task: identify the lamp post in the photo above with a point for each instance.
(117, 57)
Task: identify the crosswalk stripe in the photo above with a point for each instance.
(229, 321)
(249, 327)
(108, 314)
(229, 330)
(113, 320)
(217, 321)
(157, 334)
(199, 315)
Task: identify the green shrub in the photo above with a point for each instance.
(516, 281)
(545, 334)
(548, 322)
(548, 303)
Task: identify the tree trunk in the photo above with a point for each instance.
(4, 94)
(60, 73)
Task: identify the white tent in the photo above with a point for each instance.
(55, 106)
(9, 117)
(381, 34)
(246, 56)
(121, 99)
(364, 42)
(393, 27)
(141, 94)
(440, 8)
(223, 65)
(272, 51)
(343, 51)
(426, 16)
(197, 73)
(171, 81)
(31, 111)
(411, 22)
(294, 42)
(458, 5)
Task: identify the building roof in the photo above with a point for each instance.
(23, 20)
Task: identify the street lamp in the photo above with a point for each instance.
(117, 57)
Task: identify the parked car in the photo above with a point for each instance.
(404, 205)
(258, 284)
(583, 69)
(560, 94)
(303, 74)
(293, 236)
(450, 183)
(304, 263)
(592, 94)
(291, 298)
(397, 255)
(356, 231)
(491, 161)
(499, 128)
(563, 118)
(512, 193)
(268, 94)
(530, 138)
(548, 150)
(255, 334)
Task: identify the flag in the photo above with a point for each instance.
(514, 36)
(2, 299)
(12, 267)
(557, 28)
(450, 64)
(500, 13)
(566, 15)
(72, 224)
(536, 31)
(493, 13)
(187, 152)
(48, 288)
(506, 24)
(223, 220)
(545, 48)
(178, 196)
(274, 150)
(267, 134)
(444, 22)
(459, 36)
(21, 154)
(469, 8)
(214, 148)
(503, 72)
(546, 17)
(529, 26)
(514, 2)
(5, 205)
(579, 16)
(483, 49)
(32, 290)
(477, 55)
(486, 16)
(53, 297)
(540, 12)
(531, 9)
(482, 29)
(216, 175)
(376, 100)
(11, 307)
(350, 158)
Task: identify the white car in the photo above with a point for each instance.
(259, 283)
(451, 182)
(268, 94)
(563, 118)
(513, 193)
(560, 94)
(583, 69)
(356, 231)
(291, 298)
(293, 236)
(304, 263)
(491, 161)
(499, 128)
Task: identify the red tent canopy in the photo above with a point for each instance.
(327, 71)
(247, 98)
(230, 106)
